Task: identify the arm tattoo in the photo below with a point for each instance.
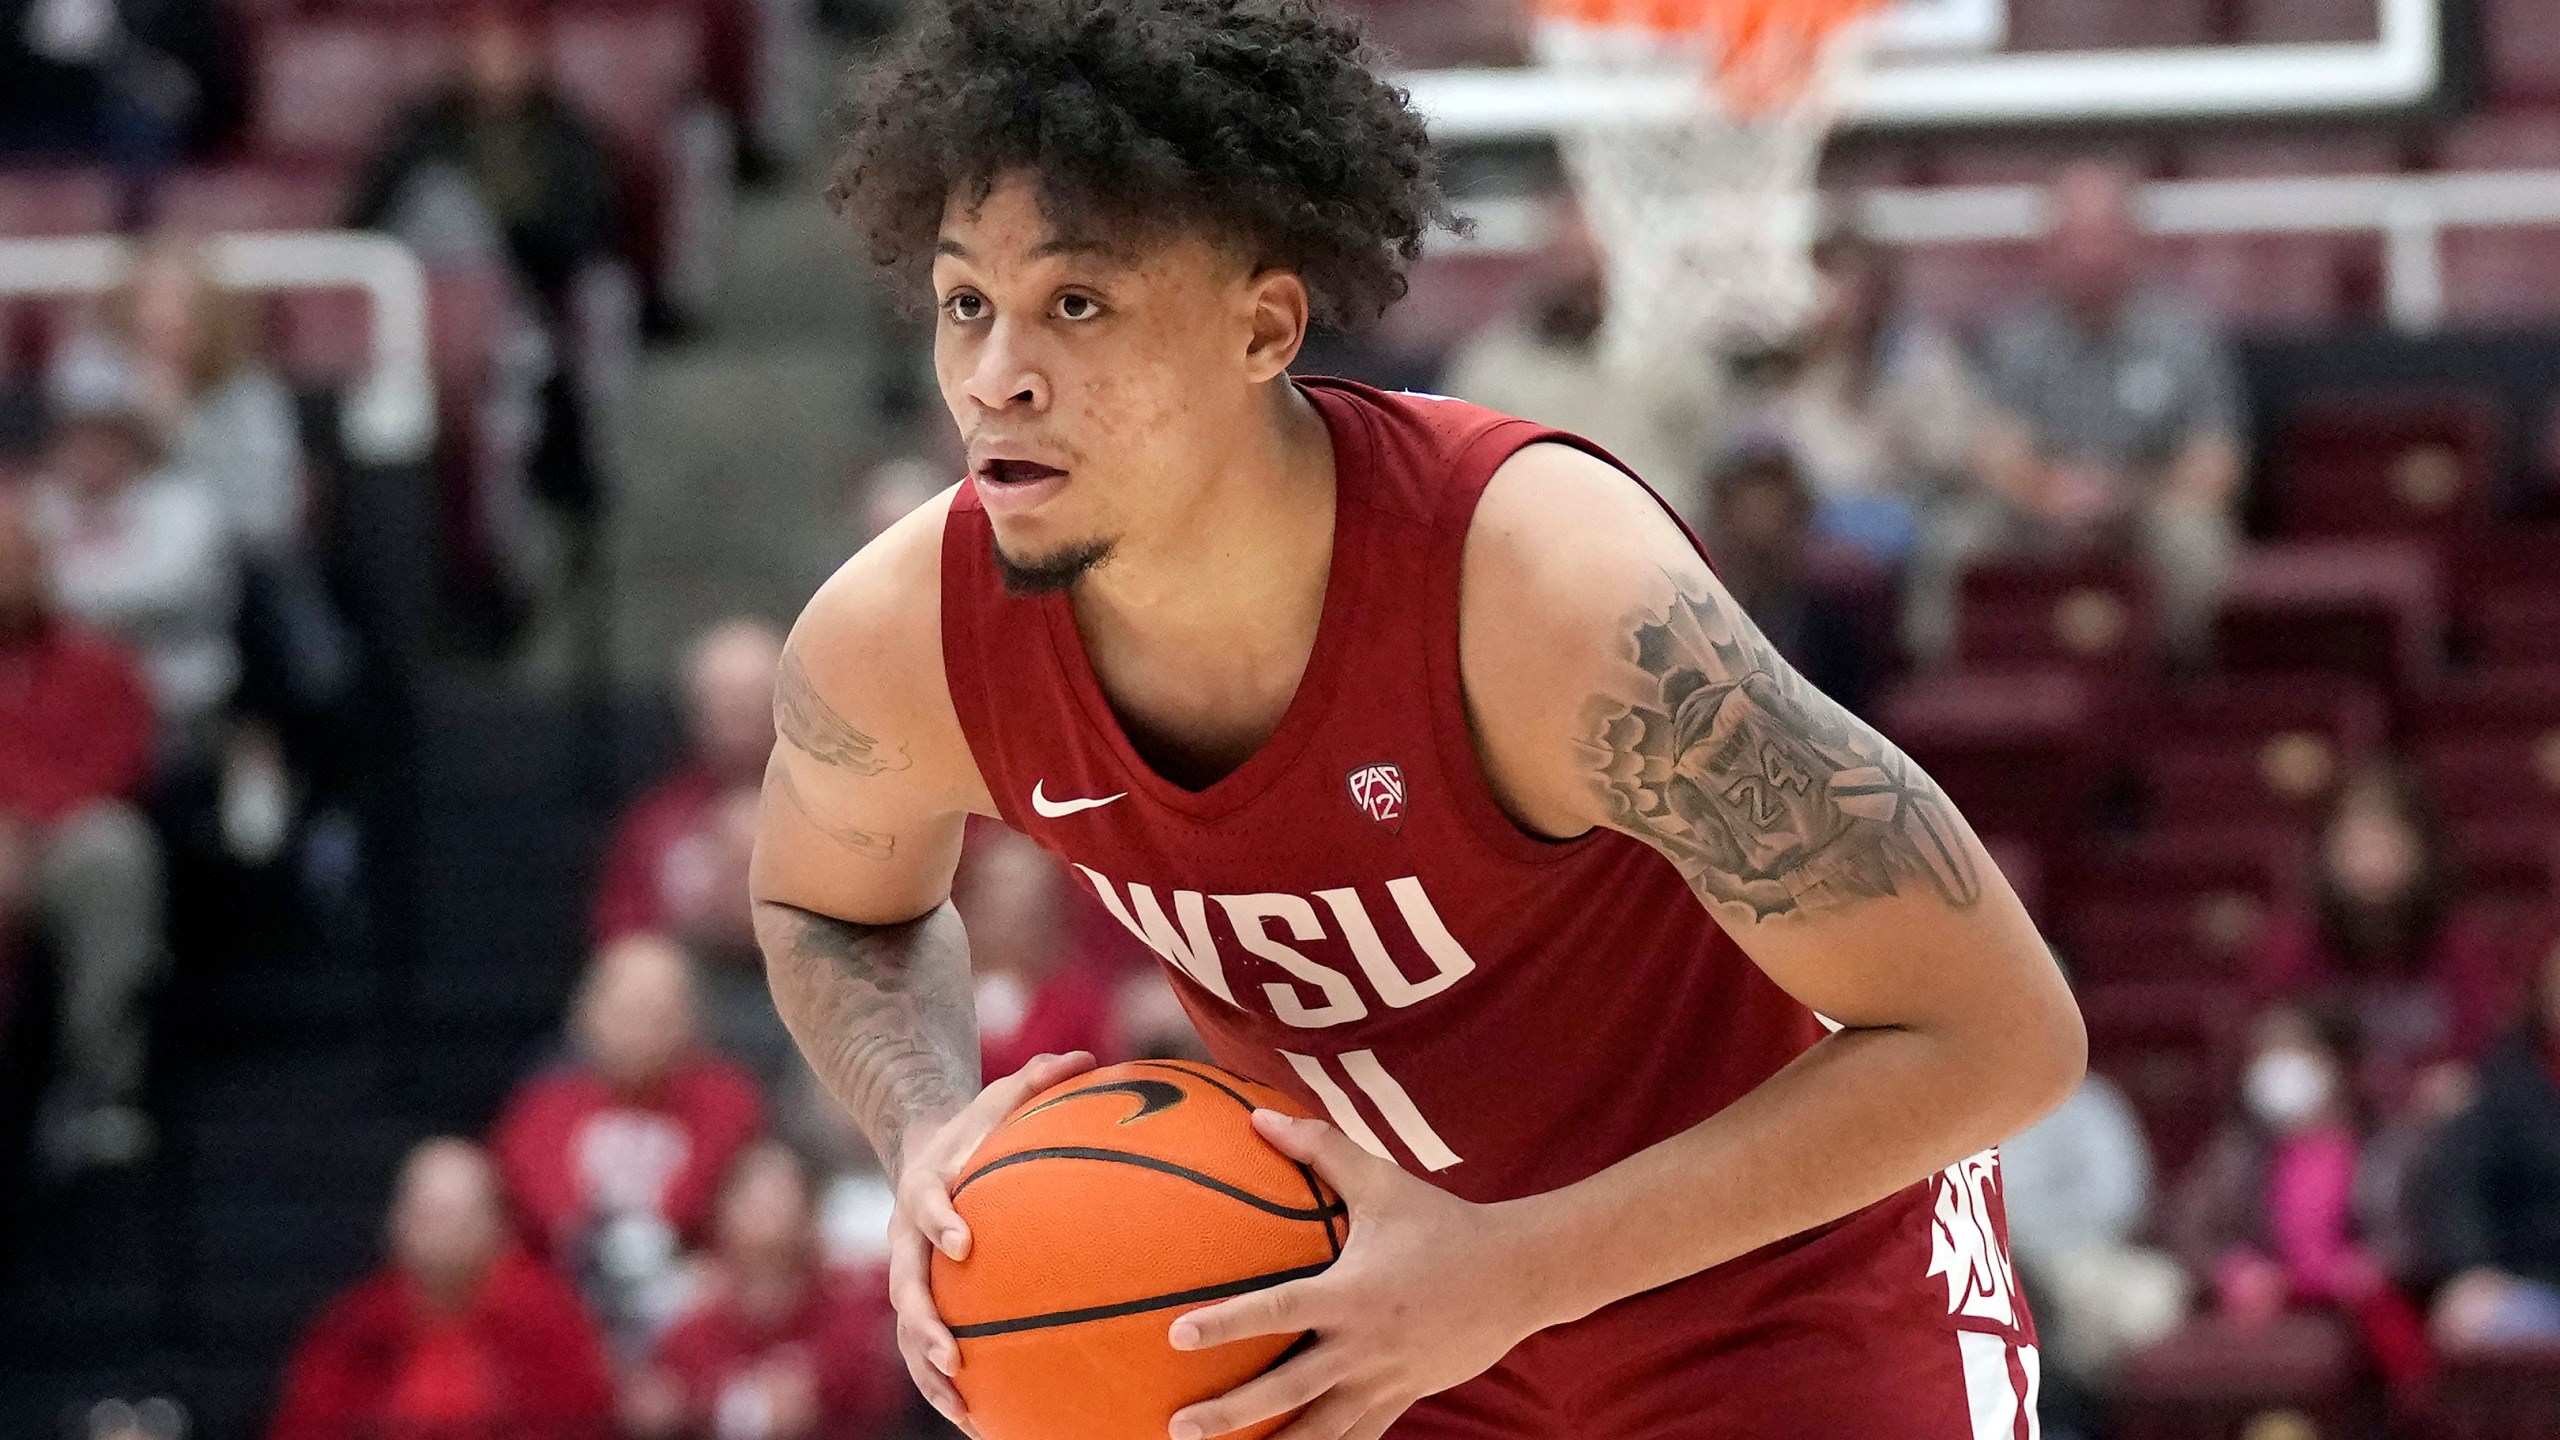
(869, 844)
(883, 1013)
(1762, 790)
(804, 718)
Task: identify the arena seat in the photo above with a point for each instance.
(2092, 615)
(2110, 24)
(41, 203)
(2405, 463)
(2250, 750)
(629, 68)
(2033, 161)
(327, 87)
(2218, 1379)
(2513, 1395)
(252, 196)
(2252, 861)
(1451, 296)
(2274, 284)
(322, 339)
(2173, 1049)
(2494, 777)
(2367, 607)
(2021, 752)
(2250, 155)
(1964, 285)
(2506, 606)
(2190, 940)
(2521, 48)
(2306, 22)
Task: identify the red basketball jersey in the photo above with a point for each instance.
(1351, 917)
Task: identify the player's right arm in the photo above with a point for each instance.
(869, 786)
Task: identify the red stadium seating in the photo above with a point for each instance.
(2506, 608)
(43, 203)
(1964, 284)
(2274, 283)
(1452, 295)
(2307, 22)
(2109, 24)
(2221, 1380)
(252, 197)
(2250, 156)
(2382, 464)
(629, 69)
(2253, 750)
(2173, 1050)
(2522, 48)
(322, 339)
(2092, 615)
(328, 87)
(2022, 753)
(2370, 608)
(2510, 1396)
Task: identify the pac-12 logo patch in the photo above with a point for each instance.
(1379, 792)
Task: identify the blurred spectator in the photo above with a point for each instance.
(658, 874)
(2269, 1213)
(2493, 1204)
(882, 495)
(128, 83)
(2382, 935)
(1759, 524)
(775, 1347)
(1149, 1020)
(461, 1334)
(612, 1157)
(499, 154)
(501, 167)
(1038, 991)
(78, 864)
(2117, 420)
(1545, 362)
(141, 550)
(2077, 1189)
(187, 349)
(1875, 402)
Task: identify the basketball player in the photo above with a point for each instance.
(1664, 1012)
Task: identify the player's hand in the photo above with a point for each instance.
(923, 1221)
(1430, 1291)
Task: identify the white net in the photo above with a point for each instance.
(1707, 215)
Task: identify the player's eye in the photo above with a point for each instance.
(965, 306)
(1072, 306)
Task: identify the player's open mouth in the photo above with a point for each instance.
(1010, 487)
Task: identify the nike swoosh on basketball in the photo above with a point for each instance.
(1053, 809)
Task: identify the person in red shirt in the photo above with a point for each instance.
(461, 1335)
(78, 864)
(612, 1158)
(775, 1347)
(1040, 991)
(660, 874)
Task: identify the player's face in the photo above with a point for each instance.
(1092, 384)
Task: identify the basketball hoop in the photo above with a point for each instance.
(1706, 216)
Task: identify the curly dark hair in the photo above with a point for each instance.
(1258, 122)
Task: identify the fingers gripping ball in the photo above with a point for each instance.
(1101, 1210)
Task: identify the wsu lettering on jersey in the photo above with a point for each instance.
(1275, 927)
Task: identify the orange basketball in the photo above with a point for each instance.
(1099, 1211)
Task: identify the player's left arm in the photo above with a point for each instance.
(1612, 682)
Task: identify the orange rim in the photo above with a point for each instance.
(1764, 52)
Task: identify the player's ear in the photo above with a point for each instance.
(1279, 300)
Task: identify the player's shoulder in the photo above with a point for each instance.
(1561, 533)
(876, 624)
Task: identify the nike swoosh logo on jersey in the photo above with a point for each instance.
(1054, 809)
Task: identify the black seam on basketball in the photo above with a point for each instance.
(1056, 1318)
(1179, 1069)
(1149, 1162)
(1315, 1192)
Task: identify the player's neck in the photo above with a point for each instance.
(1247, 557)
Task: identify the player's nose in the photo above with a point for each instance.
(1004, 376)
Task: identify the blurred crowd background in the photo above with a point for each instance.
(383, 1047)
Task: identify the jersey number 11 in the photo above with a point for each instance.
(1393, 1106)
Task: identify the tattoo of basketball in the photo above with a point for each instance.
(883, 1013)
(1763, 790)
(802, 716)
